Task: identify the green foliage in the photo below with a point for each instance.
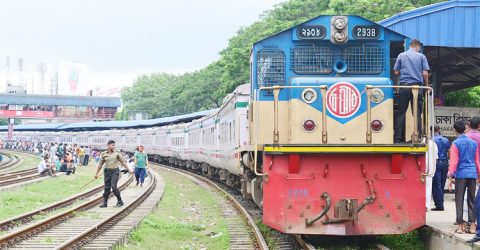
(165, 95)
(411, 240)
(464, 98)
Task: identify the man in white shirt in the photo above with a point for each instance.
(43, 167)
(431, 158)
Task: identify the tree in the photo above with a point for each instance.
(464, 98)
(165, 94)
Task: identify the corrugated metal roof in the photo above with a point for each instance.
(34, 127)
(61, 100)
(110, 124)
(128, 124)
(454, 23)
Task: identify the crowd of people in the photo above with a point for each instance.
(459, 163)
(63, 157)
(55, 157)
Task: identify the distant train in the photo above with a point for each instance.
(310, 140)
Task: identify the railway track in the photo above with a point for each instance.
(77, 226)
(28, 217)
(12, 161)
(247, 236)
(18, 177)
(282, 241)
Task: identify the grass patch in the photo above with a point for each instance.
(29, 161)
(36, 195)
(187, 217)
(268, 234)
(409, 240)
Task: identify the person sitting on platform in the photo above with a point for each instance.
(44, 167)
(465, 166)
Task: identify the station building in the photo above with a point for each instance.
(58, 108)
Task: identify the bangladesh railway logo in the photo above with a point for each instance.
(343, 100)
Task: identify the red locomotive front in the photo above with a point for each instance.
(339, 193)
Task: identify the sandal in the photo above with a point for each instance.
(472, 229)
(458, 231)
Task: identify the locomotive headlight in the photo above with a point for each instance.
(340, 36)
(309, 95)
(377, 95)
(339, 23)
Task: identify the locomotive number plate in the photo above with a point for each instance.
(311, 31)
(366, 32)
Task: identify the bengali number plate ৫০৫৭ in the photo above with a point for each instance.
(311, 32)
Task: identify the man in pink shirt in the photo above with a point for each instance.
(473, 133)
(465, 167)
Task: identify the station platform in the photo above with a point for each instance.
(439, 233)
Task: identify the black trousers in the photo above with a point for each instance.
(462, 185)
(404, 98)
(111, 180)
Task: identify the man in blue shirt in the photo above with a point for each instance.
(440, 176)
(412, 67)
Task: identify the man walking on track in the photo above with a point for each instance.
(112, 159)
(141, 162)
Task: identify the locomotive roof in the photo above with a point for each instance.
(308, 21)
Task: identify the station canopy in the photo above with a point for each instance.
(450, 33)
(61, 100)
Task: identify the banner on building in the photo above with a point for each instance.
(25, 114)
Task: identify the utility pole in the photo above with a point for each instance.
(42, 68)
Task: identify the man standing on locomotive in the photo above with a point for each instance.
(412, 67)
(111, 159)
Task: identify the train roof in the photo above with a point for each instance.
(89, 126)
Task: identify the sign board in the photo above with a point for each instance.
(25, 114)
(445, 117)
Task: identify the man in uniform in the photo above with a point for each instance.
(412, 67)
(112, 159)
(440, 176)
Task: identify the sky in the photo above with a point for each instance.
(118, 39)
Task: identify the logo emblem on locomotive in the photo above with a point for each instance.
(343, 100)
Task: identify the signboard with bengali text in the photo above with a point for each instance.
(445, 117)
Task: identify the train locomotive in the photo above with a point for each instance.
(310, 139)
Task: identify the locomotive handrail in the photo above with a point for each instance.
(428, 107)
(276, 135)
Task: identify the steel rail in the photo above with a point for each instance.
(24, 233)
(95, 230)
(259, 240)
(12, 161)
(27, 217)
(16, 179)
(17, 174)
